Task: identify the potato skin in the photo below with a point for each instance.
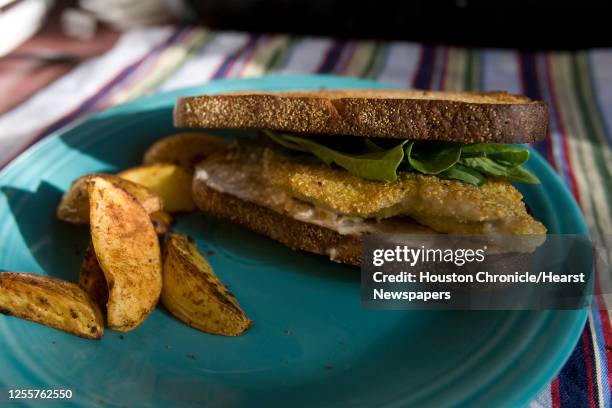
(169, 181)
(92, 280)
(195, 295)
(51, 302)
(127, 249)
(74, 206)
(184, 149)
(162, 222)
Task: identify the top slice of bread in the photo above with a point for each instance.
(467, 117)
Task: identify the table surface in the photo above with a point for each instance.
(577, 86)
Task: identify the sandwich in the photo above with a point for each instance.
(328, 167)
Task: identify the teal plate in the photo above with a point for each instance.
(312, 344)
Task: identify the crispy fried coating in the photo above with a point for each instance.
(239, 171)
(447, 206)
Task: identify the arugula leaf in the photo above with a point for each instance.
(470, 163)
(465, 174)
(432, 157)
(522, 175)
(378, 165)
(507, 154)
(278, 138)
(371, 147)
(490, 167)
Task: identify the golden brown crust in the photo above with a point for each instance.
(128, 252)
(447, 206)
(193, 293)
(51, 302)
(295, 234)
(467, 117)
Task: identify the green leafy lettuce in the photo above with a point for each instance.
(374, 164)
(469, 163)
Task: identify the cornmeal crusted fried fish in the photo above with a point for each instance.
(444, 205)
(240, 171)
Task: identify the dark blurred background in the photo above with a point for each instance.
(504, 23)
(41, 40)
(532, 24)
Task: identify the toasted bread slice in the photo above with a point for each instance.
(295, 234)
(467, 117)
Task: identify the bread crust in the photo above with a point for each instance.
(297, 235)
(467, 117)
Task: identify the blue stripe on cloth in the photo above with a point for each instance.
(573, 387)
(231, 59)
(422, 79)
(332, 57)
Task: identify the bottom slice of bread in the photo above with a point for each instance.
(295, 234)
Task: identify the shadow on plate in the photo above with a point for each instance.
(219, 238)
(56, 245)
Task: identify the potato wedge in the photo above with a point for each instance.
(169, 181)
(74, 206)
(195, 295)
(92, 280)
(51, 302)
(184, 149)
(128, 252)
(162, 222)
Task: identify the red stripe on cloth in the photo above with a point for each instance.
(555, 395)
(587, 348)
(554, 102)
(91, 101)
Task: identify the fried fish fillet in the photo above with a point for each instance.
(446, 206)
(239, 171)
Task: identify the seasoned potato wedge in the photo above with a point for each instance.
(183, 149)
(128, 252)
(162, 221)
(194, 294)
(51, 302)
(74, 206)
(169, 181)
(92, 280)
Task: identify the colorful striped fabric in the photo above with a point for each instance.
(577, 86)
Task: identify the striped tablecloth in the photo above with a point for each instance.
(577, 86)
